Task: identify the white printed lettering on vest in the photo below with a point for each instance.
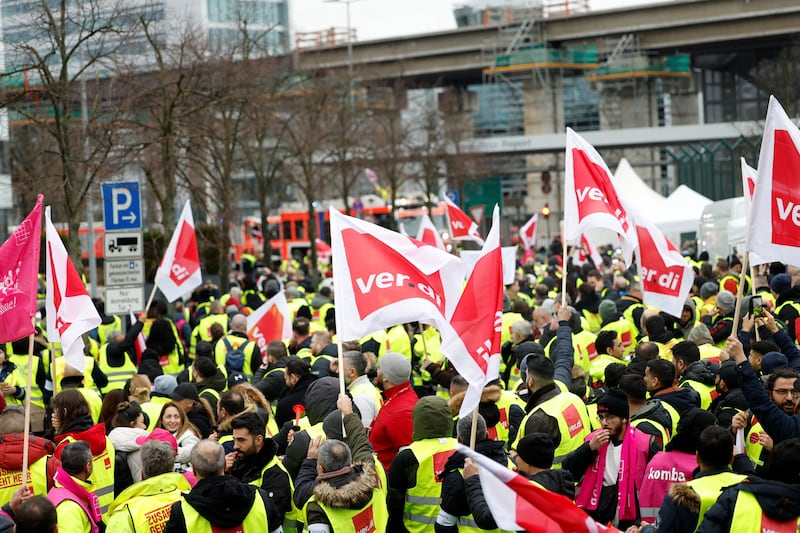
(667, 475)
(576, 426)
(593, 193)
(790, 207)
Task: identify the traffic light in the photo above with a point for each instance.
(546, 211)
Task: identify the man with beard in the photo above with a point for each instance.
(254, 461)
(781, 389)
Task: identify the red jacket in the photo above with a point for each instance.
(392, 428)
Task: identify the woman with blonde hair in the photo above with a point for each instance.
(173, 419)
(253, 397)
(139, 389)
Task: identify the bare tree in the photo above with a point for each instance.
(61, 50)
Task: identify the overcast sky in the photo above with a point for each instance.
(375, 19)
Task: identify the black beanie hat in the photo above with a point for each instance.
(614, 402)
(537, 449)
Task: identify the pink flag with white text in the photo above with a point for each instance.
(19, 266)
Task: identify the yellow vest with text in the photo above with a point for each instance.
(146, 506)
(709, 489)
(254, 522)
(748, 517)
(573, 423)
(117, 375)
(371, 518)
(504, 403)
(423, 499)
(11, 480)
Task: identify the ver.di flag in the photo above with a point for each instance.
(528, 232)
(19, 266)
(749, 178)
(179, 272)
(774, 224)
(586, 250)
(428, 233)
(70, 311)
(472, 338)
(462, 227)
(272, 321)
(518, 504)
(666, 278)
(590, 198)
(382, 278)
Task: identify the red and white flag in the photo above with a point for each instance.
(19, 266)
(774, 225)
(179, 272)
(140, 345)
(518, 504)
(528, 232)
(272, 321)
(382, 278)
(586, 250)
(428, 233)
(666, 277)
(323, 251)
(749, 178)
(590, 198)
(70, 311)
(509, 253)
(472, 338)
(462, 227)
(370, 174)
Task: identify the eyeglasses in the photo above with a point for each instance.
(785, 392)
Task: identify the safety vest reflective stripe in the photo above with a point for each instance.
(710, 487)
(256, 519)
(422, 500)
(649, 512)
(21, 362)
(748, 516)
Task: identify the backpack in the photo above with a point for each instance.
(234, 358)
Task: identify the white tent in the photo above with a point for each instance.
(636, 190)
(680, 213)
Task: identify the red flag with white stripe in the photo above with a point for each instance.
(382, 278)
(70, 311)
(586, 250)
(518, 504)
(272, 321)
(528, 232)
(179, 272)
(462, 227)
(590, 197)
(472, 338)
(428, 233)
(19, 267)
(774, 225)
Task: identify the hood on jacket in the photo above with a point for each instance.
(11, 448)
(124, 438)
(792, 294)
(559, 481)
(224, 501)
(218, 382)
(95, 436)
(354, 493)
(701, 371)
(321, 398)
(685, 327)
(431, 419)
(682, 399)
(490, 394)
(779, 501)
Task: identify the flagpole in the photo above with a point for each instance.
(737, 309)
(341, 377)
(474, 430)
(152, 294)
(752, 290)
(27, 431)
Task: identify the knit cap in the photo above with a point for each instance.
(396, 368)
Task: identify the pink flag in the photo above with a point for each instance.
(518, 504)
(428, 233)
(472, 339)
(382, 278)
(141, 343)
(528, 232)
(19, 266)
(272, 321)
(590, 198)
(70, 311)
(665, 276)
(462, 227)
(586, 250)
(774, 225)
(179, 272)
